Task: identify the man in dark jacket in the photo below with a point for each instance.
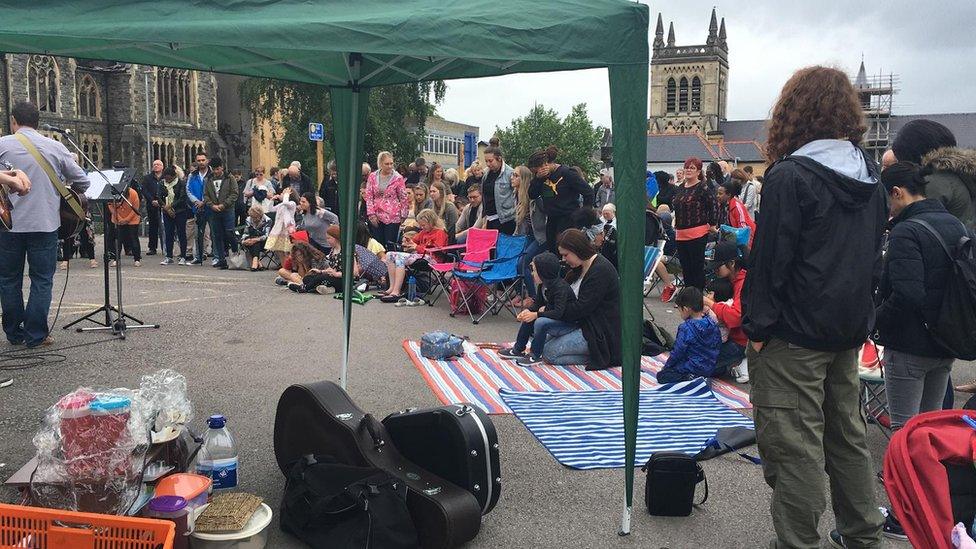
(220, 195)
(150, 195)
(913, 283)
(329, 188)
(807, 308)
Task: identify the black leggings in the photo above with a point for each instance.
(691, 254)
(311, 281)
(555, 225)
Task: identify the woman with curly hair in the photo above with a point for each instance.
(807, 308)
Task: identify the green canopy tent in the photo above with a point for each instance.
(353, 46)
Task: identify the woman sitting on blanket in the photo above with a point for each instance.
(431, 235)
(545, 315)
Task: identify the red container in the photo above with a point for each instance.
(77, 431)
(110, 421)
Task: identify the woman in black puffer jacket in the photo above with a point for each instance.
(913, 282)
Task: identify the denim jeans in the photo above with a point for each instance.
(532, 250)
(729, 354)
(41, 252)
(539, 331)
(914, 384)
(175, 229)
(222, 234)
(566, 345)
(202, 218)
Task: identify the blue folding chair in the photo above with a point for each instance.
(502, 271)
(652, 256)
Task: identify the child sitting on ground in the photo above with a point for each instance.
(697, 343)
(544, 316)
(720, 291)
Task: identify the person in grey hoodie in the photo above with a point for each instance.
(807, 309)
(497, 195)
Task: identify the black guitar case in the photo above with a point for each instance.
(320, 418)
(457, 442)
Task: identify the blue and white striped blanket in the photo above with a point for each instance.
(585, 430)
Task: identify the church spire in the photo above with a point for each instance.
(671, 34)
(659, 33)
(862, 76)
(712, 30)
(721, 35)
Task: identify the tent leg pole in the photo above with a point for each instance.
(347, 286)
(625, 521)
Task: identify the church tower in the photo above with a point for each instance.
(689, 84)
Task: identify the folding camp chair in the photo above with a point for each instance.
(475, 250)
(652, 257)
(873, 396)
(503, 271)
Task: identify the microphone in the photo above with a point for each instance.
(51, 128)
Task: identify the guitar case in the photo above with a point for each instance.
(457, 442)
(320, 418)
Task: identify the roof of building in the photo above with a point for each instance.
(744, 151)
(676, 147)
(744, 130)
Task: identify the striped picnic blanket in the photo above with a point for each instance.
(477, 377)
(586, 430)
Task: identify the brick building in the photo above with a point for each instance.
(104, 106)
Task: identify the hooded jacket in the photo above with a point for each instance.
(953, 182)
(696, 348)
(556, 292)
(913, 283)
(815, 258)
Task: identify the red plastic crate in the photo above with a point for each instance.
(37, 528)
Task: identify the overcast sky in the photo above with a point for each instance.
(930, 47)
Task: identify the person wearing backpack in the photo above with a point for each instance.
(913, 282)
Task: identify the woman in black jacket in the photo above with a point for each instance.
(176, 212)
(562, 191)
(596, 310)
(695, 217)
(913, 282)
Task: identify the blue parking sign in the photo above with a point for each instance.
(316, 131)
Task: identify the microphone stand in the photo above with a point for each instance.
(117, 325)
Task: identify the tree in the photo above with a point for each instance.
(575, 136)
(395, 120)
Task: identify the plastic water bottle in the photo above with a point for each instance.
(217, 458)
(412, 289)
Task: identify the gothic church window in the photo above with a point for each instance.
(42, 82)
(672, 94)
(683, 95)
(696, 94)
(88, 97)
(173, 97)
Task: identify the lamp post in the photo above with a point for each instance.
(145, 74)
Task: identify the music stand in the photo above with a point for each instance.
(109, 187)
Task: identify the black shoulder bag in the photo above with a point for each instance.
(671, 481)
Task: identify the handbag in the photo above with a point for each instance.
(329, 505)
(237, 261)
(655, 339)
(671, 481)
(441, 345)
(73, 204)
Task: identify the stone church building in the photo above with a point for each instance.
(104, 106)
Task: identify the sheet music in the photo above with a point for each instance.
(98, 183)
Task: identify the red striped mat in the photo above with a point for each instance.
(477, 376)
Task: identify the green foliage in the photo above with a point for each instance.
(395, 120)
(575, 136)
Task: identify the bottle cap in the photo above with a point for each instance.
(109, 404)
(216, 421)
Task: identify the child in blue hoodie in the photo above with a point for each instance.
(697, 343)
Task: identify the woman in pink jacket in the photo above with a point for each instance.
(386, 201)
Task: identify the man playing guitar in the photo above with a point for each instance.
(36, 219)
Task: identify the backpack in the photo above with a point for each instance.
(327, 504)
(477, 297)
(955, 327)
(655, 339)
(671, 481)
(441, 345)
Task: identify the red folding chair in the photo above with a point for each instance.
(476, 250)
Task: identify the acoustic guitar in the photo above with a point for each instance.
(71, 221)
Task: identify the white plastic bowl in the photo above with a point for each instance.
(254, 535)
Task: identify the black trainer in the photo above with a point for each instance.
(529, 361)
(836, 540)
(296, 287)
(510, 352)
(892, 528)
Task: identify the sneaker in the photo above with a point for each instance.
(836, 540)
(416, 303)
(214, 261)
(280, 281)
(182, 261)
(6, 382)
(741, 372)
(296, 287)
(511, 353)
(46, 342)
(151, 252)
(892, 528)
(667, 294)
(323, 289)
(196, 262)
(222, 266)
(166, 261)
(137, 264)
(529, 361)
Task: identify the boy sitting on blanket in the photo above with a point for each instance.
(545, 315)
(697, 343)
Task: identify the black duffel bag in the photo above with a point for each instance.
(331, 505)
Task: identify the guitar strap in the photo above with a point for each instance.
(69, 198)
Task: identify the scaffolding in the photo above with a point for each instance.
(876, 94)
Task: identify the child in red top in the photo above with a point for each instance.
(728, 264)
(415, 246)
